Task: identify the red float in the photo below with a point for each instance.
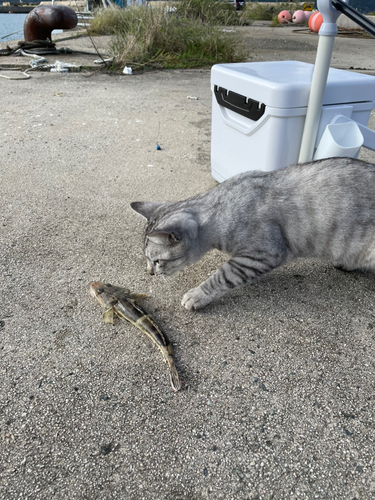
(284, 16)
(315, 22)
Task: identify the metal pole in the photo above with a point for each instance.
(327, 35)
(314, 108)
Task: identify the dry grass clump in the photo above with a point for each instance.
(153, 37)
(209, 12)
(107, 21)
(255, 11)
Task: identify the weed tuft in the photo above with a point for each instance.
(145, 37)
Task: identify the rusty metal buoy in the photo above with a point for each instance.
(42, 20)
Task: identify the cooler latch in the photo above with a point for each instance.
(239, 103)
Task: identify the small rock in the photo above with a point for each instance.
(105, 449)
(240, 474)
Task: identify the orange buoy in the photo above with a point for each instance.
(315, 22)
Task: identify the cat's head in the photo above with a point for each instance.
(171, 236)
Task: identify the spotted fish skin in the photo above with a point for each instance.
(120, 302)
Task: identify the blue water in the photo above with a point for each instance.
(10, 23)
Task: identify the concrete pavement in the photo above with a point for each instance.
(278, 378)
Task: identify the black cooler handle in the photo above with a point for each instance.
(239, 103)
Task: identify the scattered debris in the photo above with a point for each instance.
(61, 67)
(37, 62)
(104, 61)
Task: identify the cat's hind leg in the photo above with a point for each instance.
(364, 260)
(344, 268)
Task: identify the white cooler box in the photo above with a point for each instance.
(258, 112)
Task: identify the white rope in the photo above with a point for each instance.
(26, 77)
(58, 67)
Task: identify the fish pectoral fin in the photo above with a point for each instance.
(108, 315)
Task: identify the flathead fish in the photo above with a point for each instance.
(120, 302)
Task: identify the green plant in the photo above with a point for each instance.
(107, 21)
(209, 11)
(151, 37)
(257, 11)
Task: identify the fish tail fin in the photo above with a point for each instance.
(173, 376)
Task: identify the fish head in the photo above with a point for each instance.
(105, 293)
(97, 288)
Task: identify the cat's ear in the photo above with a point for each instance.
(164, 237)
(145, 208)
(184, 228)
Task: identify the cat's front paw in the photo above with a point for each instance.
(195, 299)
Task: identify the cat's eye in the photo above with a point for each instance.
(156, 262)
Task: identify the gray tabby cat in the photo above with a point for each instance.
(262, 220)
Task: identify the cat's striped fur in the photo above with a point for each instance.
(323, 209)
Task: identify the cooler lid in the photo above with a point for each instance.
(286, 84)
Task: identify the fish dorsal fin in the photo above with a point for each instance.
(108, 315)
(137, 295)
(127, 294)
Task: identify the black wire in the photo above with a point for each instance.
(355, 16)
